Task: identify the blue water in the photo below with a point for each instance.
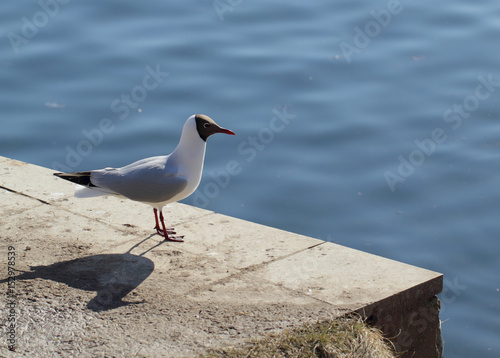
(373, 124)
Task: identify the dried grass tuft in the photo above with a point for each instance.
(341, 338)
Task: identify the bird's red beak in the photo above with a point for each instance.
(227, 131)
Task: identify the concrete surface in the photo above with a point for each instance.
(92, 280)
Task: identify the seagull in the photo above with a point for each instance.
(156, 181)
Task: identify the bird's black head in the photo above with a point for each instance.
(206, 127)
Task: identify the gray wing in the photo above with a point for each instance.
(149, 180)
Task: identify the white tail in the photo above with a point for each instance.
(86, 192)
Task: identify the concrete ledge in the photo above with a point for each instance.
(94, 281)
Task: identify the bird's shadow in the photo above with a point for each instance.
(112, 276)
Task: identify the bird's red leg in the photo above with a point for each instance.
(158, 229)
(157, 226)
(166, 231)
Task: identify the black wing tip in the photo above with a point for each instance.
(82, 178)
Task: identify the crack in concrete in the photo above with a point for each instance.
(25, 195)
(252, 268)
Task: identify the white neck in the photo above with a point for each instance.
(190, 152)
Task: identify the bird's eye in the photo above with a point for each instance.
(206, 125)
